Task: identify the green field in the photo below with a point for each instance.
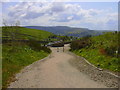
(17, 55)
(26, 33)
(102, 51)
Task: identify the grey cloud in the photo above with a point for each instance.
(40, 10)
(64, 17)
(18, 10)
(61, 18)
(78, 17)
(57, 7)
(11, 13)
(93, 13)
(32, 15)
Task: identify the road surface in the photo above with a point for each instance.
(54, 72)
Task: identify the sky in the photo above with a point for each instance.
(92, 15)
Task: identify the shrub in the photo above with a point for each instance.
(34, 45)
(46, 49)
(37, 46)
(78, 44)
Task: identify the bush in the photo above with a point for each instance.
(78, 44)
(37, 46)
(46, 49)
(34, 45)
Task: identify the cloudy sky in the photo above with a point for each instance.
(92, 15)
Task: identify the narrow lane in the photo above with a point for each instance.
(54, 72)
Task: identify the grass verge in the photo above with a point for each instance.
(14, 61)
(99, 60)
(102, 51)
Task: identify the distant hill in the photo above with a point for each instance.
(69, 31)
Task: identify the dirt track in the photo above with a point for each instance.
(54, 72)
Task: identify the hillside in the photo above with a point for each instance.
(102, 51)
(26, 33)
(69, 31)
(17, 54)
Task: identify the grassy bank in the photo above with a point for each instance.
(102, 51)
(17, 55)
(14, 61)
(24, 33)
